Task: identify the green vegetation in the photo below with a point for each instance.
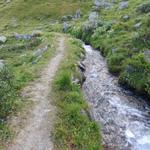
(123, 37)
(73, 129)
(22, 64)
(20, 67)
(9, 101)
(27, 15)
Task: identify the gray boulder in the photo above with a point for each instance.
(3, 39)
(123, 5)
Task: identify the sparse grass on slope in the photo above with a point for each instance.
(26, 15)
(73, 129)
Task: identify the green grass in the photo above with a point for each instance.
(27, 15)
(73, 128)
(121, 43)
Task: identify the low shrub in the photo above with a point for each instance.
(8, 94)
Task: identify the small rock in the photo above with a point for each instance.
(3, 39)
(123, 5)
(22, 36)
(126, 17)
(138, 25)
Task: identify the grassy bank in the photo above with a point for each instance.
(73, 128)
(123, 38)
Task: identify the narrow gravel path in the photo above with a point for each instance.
(35, 134)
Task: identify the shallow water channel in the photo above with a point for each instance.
(124, 118)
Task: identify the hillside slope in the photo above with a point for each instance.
(22, 15)
(121, 31)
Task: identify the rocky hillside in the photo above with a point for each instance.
(121, 31)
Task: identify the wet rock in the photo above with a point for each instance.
(123, 5)
(81, 66)
(83, 78)
(3, 39)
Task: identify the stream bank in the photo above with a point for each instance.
(124, 118)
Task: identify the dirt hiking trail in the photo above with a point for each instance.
(35, 135)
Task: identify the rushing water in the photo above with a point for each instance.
(124, 118)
